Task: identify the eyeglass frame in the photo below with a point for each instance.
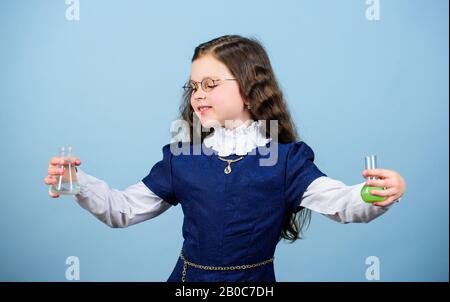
(188, 88)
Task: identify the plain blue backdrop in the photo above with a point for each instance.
(110, 85)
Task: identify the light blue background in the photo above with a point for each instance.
(109, 85)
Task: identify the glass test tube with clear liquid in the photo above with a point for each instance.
(67, 183)
(371, 163)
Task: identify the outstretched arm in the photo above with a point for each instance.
(118, 209)
(343, 203)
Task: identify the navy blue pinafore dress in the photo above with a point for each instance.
(232, 219)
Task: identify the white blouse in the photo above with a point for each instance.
(137, 203)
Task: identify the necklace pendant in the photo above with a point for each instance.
(227, 170)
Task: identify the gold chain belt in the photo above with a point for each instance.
(217, 268)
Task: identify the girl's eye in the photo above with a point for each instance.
(209, 84)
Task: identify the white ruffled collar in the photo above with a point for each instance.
(240, 140)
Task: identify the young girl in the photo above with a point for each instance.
(236, 209)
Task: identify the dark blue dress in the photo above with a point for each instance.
(237, 218)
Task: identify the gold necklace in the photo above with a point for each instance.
(227, 170)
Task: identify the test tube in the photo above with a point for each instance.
(371, 163)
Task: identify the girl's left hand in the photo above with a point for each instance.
(392, 182)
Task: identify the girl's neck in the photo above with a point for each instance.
(233, 124)
(242, 119)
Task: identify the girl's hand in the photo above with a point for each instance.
(54, 169)
(392, 182)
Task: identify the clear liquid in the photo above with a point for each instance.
(67, 183)
(65, 189)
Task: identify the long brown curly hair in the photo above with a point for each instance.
(249, 64)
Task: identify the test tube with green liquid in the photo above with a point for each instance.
(371, 163)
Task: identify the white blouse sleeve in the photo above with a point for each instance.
(339, 202)
(118, 209)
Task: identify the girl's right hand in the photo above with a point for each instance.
(54, 169)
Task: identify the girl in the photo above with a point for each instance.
(236, 209)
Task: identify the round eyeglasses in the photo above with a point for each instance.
(207, 84)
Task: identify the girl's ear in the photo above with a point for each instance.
(246, 103)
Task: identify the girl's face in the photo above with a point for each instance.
(223, 97)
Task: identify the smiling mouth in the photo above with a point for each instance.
(204, 109)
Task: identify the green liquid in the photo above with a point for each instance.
(367, 197)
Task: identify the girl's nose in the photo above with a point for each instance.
(199, 95)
